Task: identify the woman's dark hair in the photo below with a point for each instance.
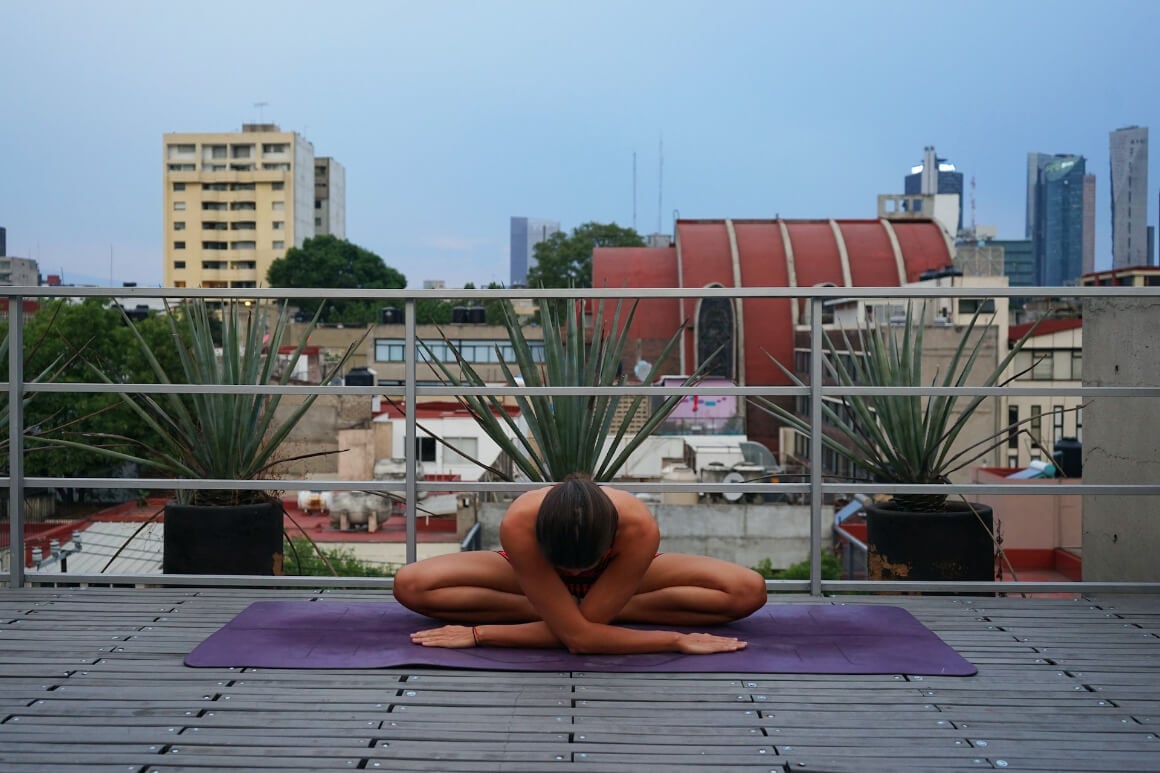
(576, 523)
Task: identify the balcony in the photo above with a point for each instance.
(93, 678)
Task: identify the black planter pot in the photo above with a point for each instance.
(238, 539)
(950, 545)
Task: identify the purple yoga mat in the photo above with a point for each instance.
(783, 638)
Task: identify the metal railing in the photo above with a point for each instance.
(817, 488)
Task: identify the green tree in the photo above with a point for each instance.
(77, 334)
(566, 261)
(327, 261)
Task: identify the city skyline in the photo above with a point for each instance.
(446, 130)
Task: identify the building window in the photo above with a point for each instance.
(1013, 426)
(179, 206)
(179, 245)
(213, 265)
(279, 186)
(1077, 365)
(214, 152)
(279, 225)
(214, 187)
(317, 222)
(274, 147)
(277, 206)
(214, 168)
(279, 167)
(178, 225)
(1042, 366)
(214, 246)
(243, 225)
(241, 167)
(1012, 460)
(1037, 423)
(425, 449)
(211, 225)
(279, 244)
(243, 284)
(318, 203)
(241, 151)
(242, 186)
(243, 265)
(972, 305)
(248, 206)
(1079, 423)
(1057, 423)
(178, 265)
(243, 245)
(213, 206)
(179, 283)
(179, 186)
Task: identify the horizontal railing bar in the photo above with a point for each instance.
(836, 587)
(637, 389)
(824, 292)
(209, 580)
(752, 487)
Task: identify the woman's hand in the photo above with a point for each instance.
(705, 643)
(449, 636)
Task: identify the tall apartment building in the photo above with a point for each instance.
(526, 233)
(1128, 151)
(935, 175)
(233, 203)
(1089, 223)
(329, 198)
(1055, 201)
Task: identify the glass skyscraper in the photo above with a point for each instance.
(1055, 217)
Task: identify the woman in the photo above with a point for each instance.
(578, 560)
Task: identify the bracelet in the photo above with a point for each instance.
(475, 635)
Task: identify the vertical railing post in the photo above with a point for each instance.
(411, 440)
(16, 440)
(816, 446)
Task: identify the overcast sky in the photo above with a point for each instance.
(450, 117)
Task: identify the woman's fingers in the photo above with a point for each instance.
(707, 643)
(449, 636)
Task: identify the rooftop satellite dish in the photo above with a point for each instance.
(642, 369)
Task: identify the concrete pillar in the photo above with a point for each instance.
(1121, 439)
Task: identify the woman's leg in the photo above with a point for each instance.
(694, 590)
(476, 586)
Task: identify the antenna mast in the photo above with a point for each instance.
(261, 111)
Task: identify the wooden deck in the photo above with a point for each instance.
(92, 680)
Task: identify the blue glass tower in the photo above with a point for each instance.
(1056, 218)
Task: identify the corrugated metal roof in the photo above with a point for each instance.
(140, 554)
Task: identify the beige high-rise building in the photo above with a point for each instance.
(234, 202)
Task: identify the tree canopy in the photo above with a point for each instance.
(330, 262)
(566, 261)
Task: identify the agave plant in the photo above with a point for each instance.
(216, 435)
(902, 438)
(565, 433)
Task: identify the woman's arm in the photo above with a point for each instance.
(563, 618)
